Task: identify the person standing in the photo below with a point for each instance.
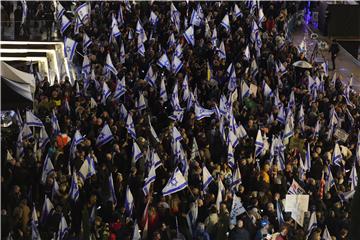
(334, 49)
(239, 232)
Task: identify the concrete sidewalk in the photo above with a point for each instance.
(345, 63)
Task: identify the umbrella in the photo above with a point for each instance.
(302, 64)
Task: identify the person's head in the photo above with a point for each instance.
(284, 230)
(240, 223)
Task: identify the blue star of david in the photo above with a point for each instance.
(173, 182)
(68, 49)
(101, 136)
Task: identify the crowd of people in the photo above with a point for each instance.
(186, 120)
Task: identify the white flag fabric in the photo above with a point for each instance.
(195, 18)
(149, 179)
(178, 51)
(150, 77)
(83, 12)
(137, 154)
(226, 22)
(65, 23)
(236, 209)
(353, 179)
(120, 89)
(129, 202)
(176, 65)
(312, 224)
(164, 62)
(122, 53)
(201, 112)
(230, 156)
(326, 235)
(153, 133)
(60, 10)
(337, 156)
(105, 136)
(236, 179)
(175, 184)
(47, 209)
(69, 48)
(74, 191)
(130, 126)
(237, 13)
(86, 41)
(259, 144)
(115, 32)
(221, 51)
(136, 234)
(109, 65)
(77, 139)
(112, 190)
(140, 30)
(153, 19)
(189, 36)
(245, 90)
(63, 229)
(140, 104)
(307, 164)
(87, 169)
(48, 168)
(206, 178)
(32, 120)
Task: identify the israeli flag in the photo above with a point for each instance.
(74, 191)
(153, 18)
(105, 136)
(232, 139)
(178, 51)
(337, 156)
(55, 189)
(259, 144)
(55, 124)
(32, 120)
(185, 88)
(87, 169)
(207, 29)
(20, 151)
(261, 17)
(221, 51)
(175, 184)
(241, 132)
(69, 48)
(140, 47)
(86, 66)
(155, 159)
(65, 23)
(78, 138)
(176, 136)
(60, 10)
(312, 224)
(222, 129)
(105, 93)
(195, 18)
(334, 77)
(281, 115)
(353, 179)
(329, 180)
(153, 133)
(267, 90)
(201, 112)
(317, 129)
(150, 77)
(109, 65)
(237, 13)
(255, 32)
(206, 178)
(120, 16)
(86, 41)
(140, 104)
(223, 106)
(122, 53)
(112, 190)
(176, 65)
(163, 94)
(175, 16)
(307, 165)
(346, 95)
(189, 36)
(236, 209)
(43, 138)
(194, 150)
(214, 41)
(123, 112)
(230, 156)
(301, 118)
(130, 126)
(77, 26)
(225, 22)
(149, 179)
(171, 41)
(245, 90)
(48, 168)
(236, 179)
(279, 214)
(140, 30)
(289, 128)
(295, 188)
(34, 230)
(63, 229)
(26, 132)
(47, 209)
(115, 32)
(129, 202)
(232, 85)
(83, 12)
(164, 62)
(120, 89)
